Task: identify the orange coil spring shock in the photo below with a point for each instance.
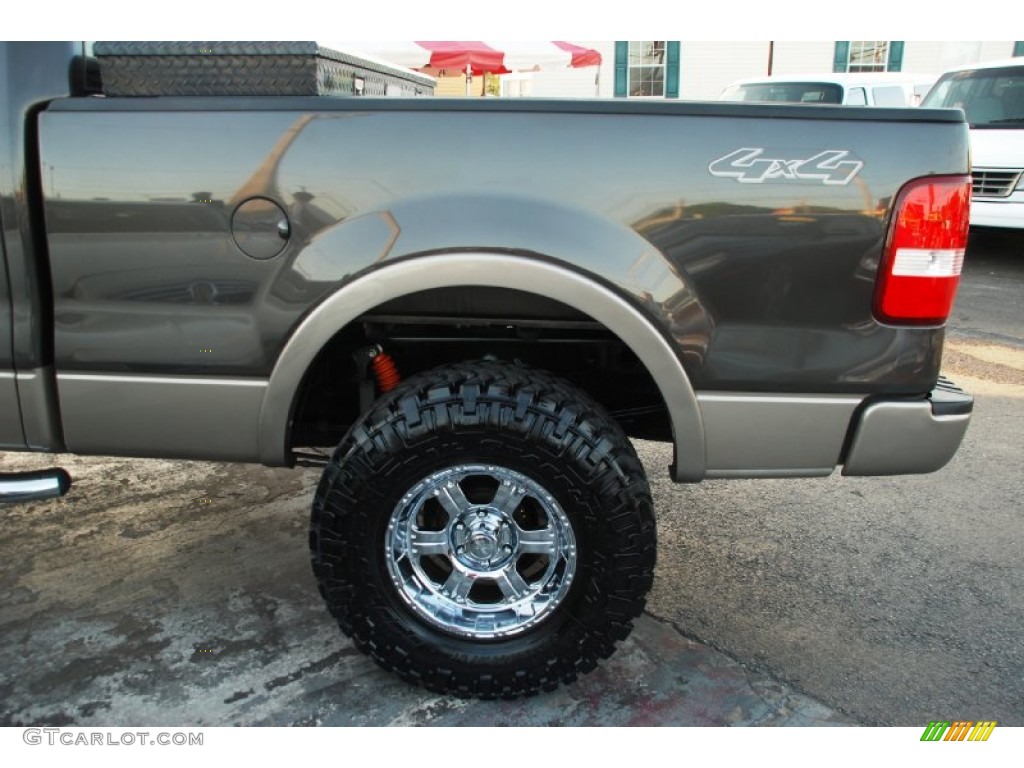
(385, 371)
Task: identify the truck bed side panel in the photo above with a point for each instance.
(764, 285)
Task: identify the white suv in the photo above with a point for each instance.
(992, 97)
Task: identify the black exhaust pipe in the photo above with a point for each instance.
(33, 486)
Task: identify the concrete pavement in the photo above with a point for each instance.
(179, 593)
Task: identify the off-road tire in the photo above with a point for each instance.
(524, 422)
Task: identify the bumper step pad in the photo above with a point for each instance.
(33, 486)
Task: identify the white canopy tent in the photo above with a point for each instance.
(474, 57)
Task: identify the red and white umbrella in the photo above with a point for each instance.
(476, 57)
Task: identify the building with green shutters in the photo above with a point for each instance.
(673, 69)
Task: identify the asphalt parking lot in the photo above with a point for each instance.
(173, 593)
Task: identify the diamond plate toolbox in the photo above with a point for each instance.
(248, 69)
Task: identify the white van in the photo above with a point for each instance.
(992, 97)
(870, 89)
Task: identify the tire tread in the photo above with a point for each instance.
(489, 398)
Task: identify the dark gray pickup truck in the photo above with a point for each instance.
(462, 310)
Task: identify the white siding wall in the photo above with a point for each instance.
(796, 58)
(707, 68)
(929, 57)
(937, 57)
(569, 83)
(607, 50)
(991, 51)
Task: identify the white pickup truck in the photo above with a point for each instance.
(854, 89)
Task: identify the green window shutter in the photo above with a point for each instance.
(841, 58)
(621, 67)
(672, 69)
(1018, 49)
(895, 56)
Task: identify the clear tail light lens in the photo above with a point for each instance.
(924, 251)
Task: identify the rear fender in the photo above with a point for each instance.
(481, 268)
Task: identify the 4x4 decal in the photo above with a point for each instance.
(747, 166)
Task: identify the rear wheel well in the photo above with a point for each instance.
(440, 326)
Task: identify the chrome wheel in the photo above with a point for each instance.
(480, 551)
(485, 529)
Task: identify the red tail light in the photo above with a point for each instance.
(924, 251)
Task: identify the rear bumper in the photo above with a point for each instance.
(907, 437)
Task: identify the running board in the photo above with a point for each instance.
(33, 486)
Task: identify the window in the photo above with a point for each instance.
(814, 93)
(868, 56)
(856, 97)
(647, 69)
(646, 74)
(989, 97)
